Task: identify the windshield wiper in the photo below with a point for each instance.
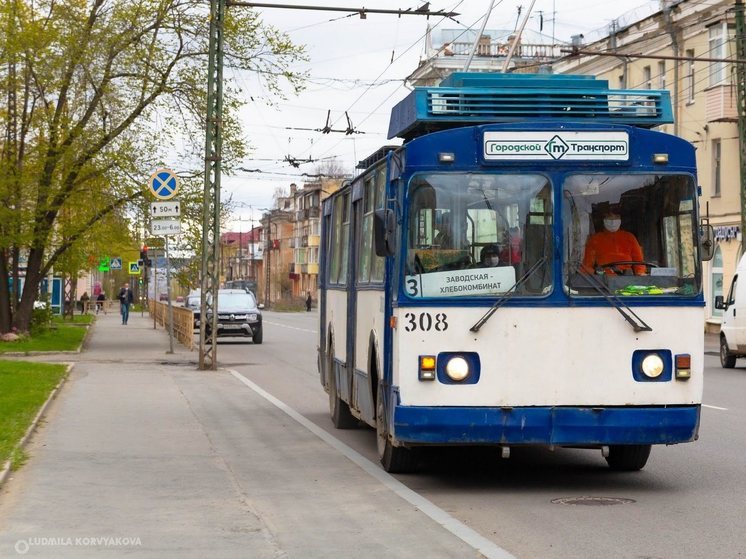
(617, 303)
(509, 294)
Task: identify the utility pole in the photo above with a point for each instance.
(740, 100)
(210, 281)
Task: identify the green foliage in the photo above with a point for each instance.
(40, 320)
(24, 387)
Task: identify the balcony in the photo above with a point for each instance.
(314, 212)
(310, 268)
(314, 240)
(720, 103)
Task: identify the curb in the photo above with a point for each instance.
(6, 469)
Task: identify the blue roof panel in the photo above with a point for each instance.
(465, 99)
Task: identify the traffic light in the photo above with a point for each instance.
(144, 253)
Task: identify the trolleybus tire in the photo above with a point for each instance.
(628, 458)
(394, 459)
(727, 360)
(339, 411)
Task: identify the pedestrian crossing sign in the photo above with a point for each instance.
(134, 269)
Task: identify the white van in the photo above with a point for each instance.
(733, 328)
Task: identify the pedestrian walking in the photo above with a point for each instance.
(126, 298)
(100, 302)
(308, 302)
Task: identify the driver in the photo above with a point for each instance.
(613, 245)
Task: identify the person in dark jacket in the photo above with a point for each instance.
(308, 302)
(126, 298)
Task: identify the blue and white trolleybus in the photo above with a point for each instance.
(524, 270)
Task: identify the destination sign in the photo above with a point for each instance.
(459, 283)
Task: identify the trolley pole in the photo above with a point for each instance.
(210, 280)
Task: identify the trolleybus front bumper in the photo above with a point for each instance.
(562, 426)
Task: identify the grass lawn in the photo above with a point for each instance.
(76, 319)
(62, 338)
(24, 387)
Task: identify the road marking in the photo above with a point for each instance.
(714, 407)
(469, 536)
(291, 327)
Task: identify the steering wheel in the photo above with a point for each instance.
(613, 265)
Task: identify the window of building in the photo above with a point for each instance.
(718, 44)
(716, 167)
(662, 74)
(647, 81)
(690, 77)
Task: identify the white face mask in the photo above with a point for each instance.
(492, 260)
(612, 224)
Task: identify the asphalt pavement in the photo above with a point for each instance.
(143, 455)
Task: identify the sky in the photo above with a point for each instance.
(358, 67)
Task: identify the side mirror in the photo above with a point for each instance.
(384, 232)
(719, 303)
(706, 242)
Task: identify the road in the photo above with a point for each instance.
(689, 501)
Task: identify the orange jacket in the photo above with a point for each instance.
(606, 247)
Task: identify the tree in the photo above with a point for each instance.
(95, 94)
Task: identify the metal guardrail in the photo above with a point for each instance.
(183, 321)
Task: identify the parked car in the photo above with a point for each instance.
(238, 315)
(733, 326)
(163, 297)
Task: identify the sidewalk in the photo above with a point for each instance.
(145, 456)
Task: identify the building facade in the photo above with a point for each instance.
(306, 240)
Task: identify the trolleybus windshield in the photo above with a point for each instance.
(475, 234)
(634, 234)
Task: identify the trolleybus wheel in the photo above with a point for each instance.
(339, 411)
(394, 459)
(628, 458)
(727, 360)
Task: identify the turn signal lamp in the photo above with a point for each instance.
(683, 366)
(446, 157)
(427, 367)
(660, 158)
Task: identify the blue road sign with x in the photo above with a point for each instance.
(163, 184)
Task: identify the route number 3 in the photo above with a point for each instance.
(425, 322)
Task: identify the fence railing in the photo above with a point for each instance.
(183, 321)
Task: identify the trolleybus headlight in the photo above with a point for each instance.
(457, 368)
(652, 366)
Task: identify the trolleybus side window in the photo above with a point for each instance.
(474, 234)
(338, 238)
(370, 266)
(379, 262)
(366, 235)
(630, 235)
